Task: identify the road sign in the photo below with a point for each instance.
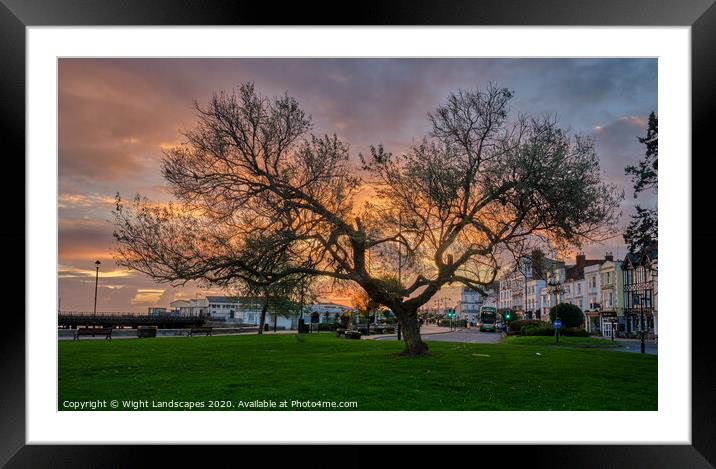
(558, 323)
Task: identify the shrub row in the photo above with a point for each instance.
(517, 325)
(531, 329)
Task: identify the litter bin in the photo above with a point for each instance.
(266, 327)
(303, 327)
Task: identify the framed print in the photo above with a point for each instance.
(443, 221)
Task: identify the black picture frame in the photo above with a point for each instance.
(16, 15)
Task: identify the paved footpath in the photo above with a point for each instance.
(634, 346)
(473, 335)
(443, 334)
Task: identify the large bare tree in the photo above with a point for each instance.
(476, 187)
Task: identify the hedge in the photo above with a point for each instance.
(518, 324)
(529, 330)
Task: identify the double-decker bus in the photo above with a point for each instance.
(488, 319)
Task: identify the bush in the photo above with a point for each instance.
(344, 320)
(538, 330)
(574, 332)
(570, 315)
(445, 322)
(516, 326)
(549, 331)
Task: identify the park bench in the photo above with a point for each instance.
(199, 330)
(353, 334)
(105, 331)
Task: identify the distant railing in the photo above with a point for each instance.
(81, 318)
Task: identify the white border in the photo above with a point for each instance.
(671, 424)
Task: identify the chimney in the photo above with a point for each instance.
(608, 256)
(581, 261)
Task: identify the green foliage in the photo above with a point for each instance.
(574, 332)
(510, 315)
(518, 324)
(642, 233)
(532, 330)
(645, 176)
(345, 320)
(570, 315)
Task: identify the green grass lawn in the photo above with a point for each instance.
(516, 375)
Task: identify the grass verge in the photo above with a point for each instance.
(516, 375)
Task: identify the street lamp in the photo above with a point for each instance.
(639, 299)
(96, 280)
(554, 284)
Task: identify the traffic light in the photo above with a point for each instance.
(508, 315)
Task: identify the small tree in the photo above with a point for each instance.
(570, 315)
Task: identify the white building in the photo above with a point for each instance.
(192, 307)
(552, 295)
(243, 310)
(533, 302)
(327, 312)
(229, 308)
(468, 307)
(578, 284)
(521, 289)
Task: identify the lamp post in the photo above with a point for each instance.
(639, 299)
(554, 284)
(96, 280)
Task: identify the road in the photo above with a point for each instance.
(634, 346)
(471, 335)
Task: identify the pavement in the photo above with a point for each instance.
(444, 334)
(473, 335)
(634, 346)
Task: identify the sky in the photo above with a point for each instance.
(116, 116)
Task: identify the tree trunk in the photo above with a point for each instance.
(275, 321)
(262, 321)
(414, 345)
